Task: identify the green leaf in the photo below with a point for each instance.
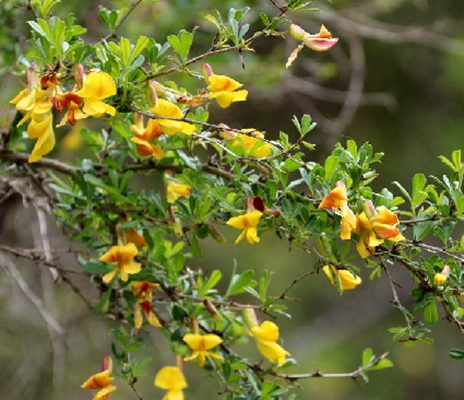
(213, 280)
(104, 303)
(181, 43)
(96, 268)
(330, 166)
(125, 46)
(238, 283)
(142, 43)
(457, 354)
(431, 313)
(367, 357)
(382, 364)
(418, 194)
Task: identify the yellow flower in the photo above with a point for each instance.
(252, 146)
(381, 224)
(440, 279)
(337, 199)
(200, 344)
(176, 190)
(171, 379)
(103, 382)
(122, 255)
(266, 336)
(143, 292)
(347, 280)
(37, 105)
(249, 223)
(164, 108)
(97, 86)
(223, 89)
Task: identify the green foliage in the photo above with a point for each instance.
(210, 175)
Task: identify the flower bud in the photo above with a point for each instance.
(212, 310)
(250, 317)
(440, 278)
(226, 133)
(215, 234)
(297, 32)
(207, 70)
(31, 76)
(107, 363)
(79, 74)
(151, 92)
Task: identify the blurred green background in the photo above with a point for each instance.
(396, 79)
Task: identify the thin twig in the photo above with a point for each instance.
(132, 7)
(43, 162)
(212, 52)
(353, 375)
(25, 288)
(293, 283)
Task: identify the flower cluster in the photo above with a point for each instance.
(41, 96)
(373, 226)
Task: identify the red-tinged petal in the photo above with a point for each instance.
(320, 45)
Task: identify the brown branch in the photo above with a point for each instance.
(49, 163)
(32, 257)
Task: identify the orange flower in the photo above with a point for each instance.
(337, 200)
(375, 226)
(122, 256)
(101, 381)
(143, 135)
(143, 292)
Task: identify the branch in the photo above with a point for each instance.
(25, 288)
(212, 52)
(390, 33)
(43, 162)
(353, 375)
(132, 7)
